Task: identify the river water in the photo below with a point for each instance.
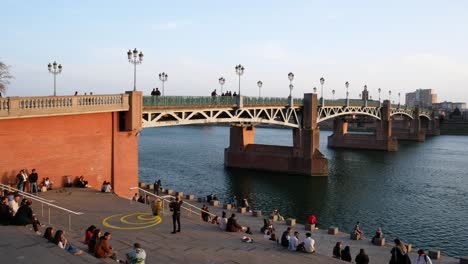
(419, 194)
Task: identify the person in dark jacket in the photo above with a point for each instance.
(337, 250)
(24, 216)
(175, 208)
(346, 254)
(93, 240)
(6, 214)
(399, 253)
(232, 225)
(362, 257)
(33, 177)
(285, 237)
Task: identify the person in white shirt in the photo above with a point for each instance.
(309, 243)
(14, 204)
(422, 258)
(223, 222)
(294, 242)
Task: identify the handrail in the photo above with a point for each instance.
(3, 186)
(183, 207)
(70, 212)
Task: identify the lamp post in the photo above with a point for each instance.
(398, 99)
(347, 93)
(221, 82)
(134, 58)
(239, 71)
(291, 86)
(315, 89)
(390, 96)
(333, 92)
(163, 78)
(322, 81)
(54, 69)
(260, 84)
(379, 96)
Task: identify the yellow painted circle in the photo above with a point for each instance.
(140, 221)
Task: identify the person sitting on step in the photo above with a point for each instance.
(232, 225)
(223, 221)
(378, 235)
(25, 216)
(358, 232)
(93, 240)
(63, 243)
(49, 234)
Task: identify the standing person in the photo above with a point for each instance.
(175, 208)
(159, 184)
(19, 181)
(309, 243)
(362, 257)
(422, 258)
(33, 177)
(346, 254)
(337, 250)
(25, 179)
(156, 187)
(137, 255)
(399, 253)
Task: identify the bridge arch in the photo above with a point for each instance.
(325, 113)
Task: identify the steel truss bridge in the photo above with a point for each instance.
(187, 110)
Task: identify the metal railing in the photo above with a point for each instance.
(189, 100)
(190, 208)
(43, 202)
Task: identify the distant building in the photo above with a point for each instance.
(445, 108)
(424, 98)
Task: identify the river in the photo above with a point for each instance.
(419, 194)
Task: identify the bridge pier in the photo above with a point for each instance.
(410, 130)
(381, 140)
(303, 157)
(433, 127)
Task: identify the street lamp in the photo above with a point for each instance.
(379, 94)
(347, 93)
(54, 69)
(390, 95)
(134, 58)
(291, 86)
(333, 92)
(221, 82)
(239, 71)
(315, 90)
(322, 81)
(398, 99)
(163, 78)
(260, 84)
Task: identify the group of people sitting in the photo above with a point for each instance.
(98, 245)
(14, 212)
(106, 187)
(293, 243)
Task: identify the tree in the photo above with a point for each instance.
(5, 77)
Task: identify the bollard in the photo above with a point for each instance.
(169, 191)
(227, 206)
(291, 222)
(190, 197)
(201, 199)
(434, 254)
(151, 187)
(354, 236)
(332, 230)
(256, 213)
(180, 194)
(409, 248)
(241, 210)
(274, 218)
(214, 203)
(142, 185)
(381, 242)
(309, 227)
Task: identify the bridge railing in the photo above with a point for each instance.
(189, 100)
(14, 107)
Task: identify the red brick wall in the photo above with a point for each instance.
(70, 145)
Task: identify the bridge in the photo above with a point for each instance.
(189, 110)
(97, 135)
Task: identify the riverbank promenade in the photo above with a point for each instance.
(199, 242)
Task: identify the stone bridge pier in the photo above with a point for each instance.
(304, 157)
(411, 129)
(381, 140)
(433, 128)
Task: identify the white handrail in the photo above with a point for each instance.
(3, 186)
(185, 203)
(42, 201)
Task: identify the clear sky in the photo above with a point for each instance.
(399, 45)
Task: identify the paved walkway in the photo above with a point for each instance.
(199, 242)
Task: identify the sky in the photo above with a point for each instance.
(393, 45)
